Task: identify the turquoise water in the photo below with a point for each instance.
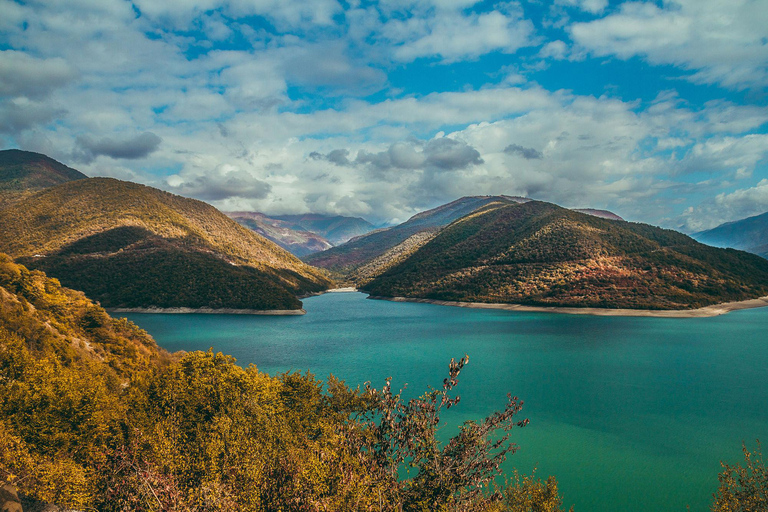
(630, 414)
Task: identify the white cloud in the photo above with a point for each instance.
(557, 50)
(24, 75)
(726, 207)
(235, 131)
(720, 42)
(592, 6)
(452, 35)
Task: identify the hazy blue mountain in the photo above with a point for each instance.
(299, 242)
(750, 234)
(337, 229)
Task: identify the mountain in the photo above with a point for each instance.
(750, 234)
(129, 245)
(538, 253)
(337, 229)
(24, 172)
(603, 214)
(283, 233)
(375, 250)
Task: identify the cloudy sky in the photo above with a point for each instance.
(655, 110)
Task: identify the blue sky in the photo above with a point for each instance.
(654, 110)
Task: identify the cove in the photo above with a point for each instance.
(630, 414)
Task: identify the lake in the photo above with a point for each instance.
(630, 414)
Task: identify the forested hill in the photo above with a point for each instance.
(538, 253)
(24, 172)
(129, 245)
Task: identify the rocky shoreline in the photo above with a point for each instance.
(707, 311)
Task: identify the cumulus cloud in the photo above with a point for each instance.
(452, 35)
(591, 6)
(132, 148)
(527, 153)
(307, 104)
(24, 75)
(726, 207)
(221, 183)
(20, 114)
(336, 156)
(441, 153)
(556, 50)
(720, 42)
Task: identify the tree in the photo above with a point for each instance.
(743, 488)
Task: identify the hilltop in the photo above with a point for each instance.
(538, 253)
(750, 234)
(129, 245)
(24, 172)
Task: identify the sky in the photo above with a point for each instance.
(657, 111)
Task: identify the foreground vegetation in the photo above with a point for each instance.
(93, 415)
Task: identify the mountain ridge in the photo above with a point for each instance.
(749, 234)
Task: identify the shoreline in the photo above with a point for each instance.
(210, 311)
(705, 312)
(345, 289)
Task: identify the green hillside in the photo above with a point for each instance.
(540, 254)
(130, 245)
(24, 172)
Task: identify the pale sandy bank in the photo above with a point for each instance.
(714, 310)
(222, 311)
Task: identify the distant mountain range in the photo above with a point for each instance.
(538, 253)
(603, 214)
(129, 245)
(750, 234)
(337, 229)
(303, 234)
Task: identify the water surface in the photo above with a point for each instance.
(630, 414)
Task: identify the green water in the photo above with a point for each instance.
(630, 414)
